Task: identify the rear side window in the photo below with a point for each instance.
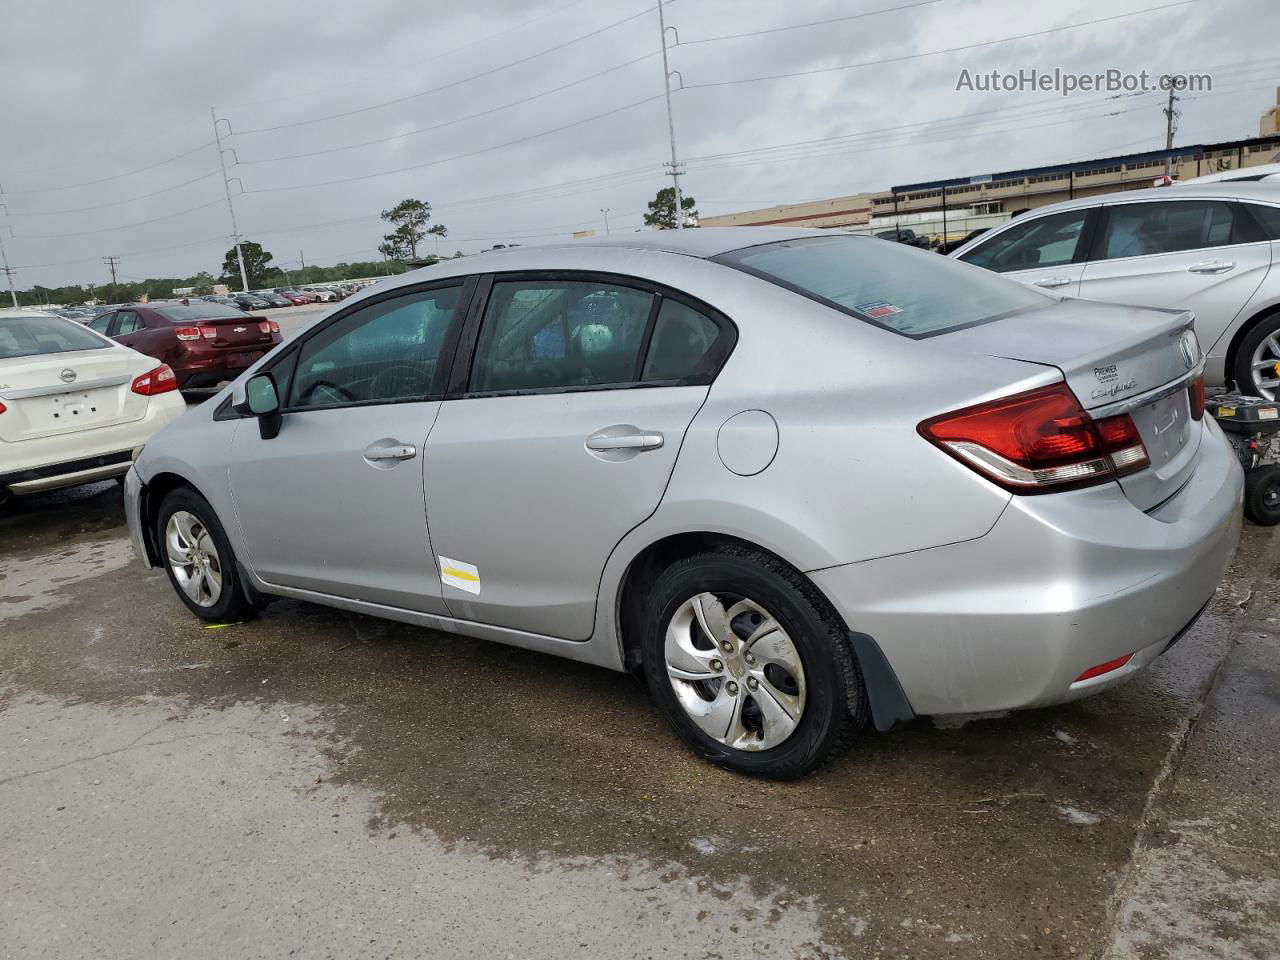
(1268, 218)
(1043, 242)
(904, 289)
(1148, 229)
(382, 353)
(130, 322)
(682, 337)
(37, 336)
(547, 334)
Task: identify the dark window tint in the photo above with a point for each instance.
(35, 336)
(1043, 242)
(102, 323)
(904, 289)
(1146, 229)
(384, 352)
(179, 313)
(130, 322)
(542, 334)
(681, 338)
(1268, 218)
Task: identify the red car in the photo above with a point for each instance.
(204, 343)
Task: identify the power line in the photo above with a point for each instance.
(116, 203)
(447, 86)
(459, 156)
(812, 23)
(116, 176)
(120, 226)
(448, 123)
(935, 53)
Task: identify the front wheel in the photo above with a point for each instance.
(750, 665)
(198, 558)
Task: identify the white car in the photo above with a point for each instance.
(1260, 173)
(1208, 247)
(322, 296)
(74, 406)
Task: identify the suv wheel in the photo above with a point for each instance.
(750, 665)
(198, 558)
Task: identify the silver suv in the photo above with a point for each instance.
(705, 456)
(1205, 247)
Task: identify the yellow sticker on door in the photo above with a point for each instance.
(464, 576)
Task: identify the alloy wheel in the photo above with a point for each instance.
(193, 558)
(735, 671)
(1265, 366)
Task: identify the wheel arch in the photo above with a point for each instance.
(153, 493)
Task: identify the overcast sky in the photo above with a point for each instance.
(94, 92)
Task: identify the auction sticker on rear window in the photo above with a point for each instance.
(877, 309)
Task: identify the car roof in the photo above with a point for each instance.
(28, 315)
(1220, 190)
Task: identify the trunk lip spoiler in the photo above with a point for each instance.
(30, 392)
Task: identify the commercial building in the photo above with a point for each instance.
(950, 208)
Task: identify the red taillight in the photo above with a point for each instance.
(1039, 440)
(2, 408)
(159, 380)
(1195, 394)
(195, 333)
(1102, 668)
(269, 326)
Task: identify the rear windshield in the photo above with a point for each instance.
(36, 336)
(904, 289)
(180, 313)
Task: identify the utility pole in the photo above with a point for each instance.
(605, 211)
(111, 262)
(1171, 115)
(303, 261)
(675, 166)
(4, 258)
(226, 185)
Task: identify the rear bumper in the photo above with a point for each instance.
(85, 456)
(1060, 584)
(209, 367)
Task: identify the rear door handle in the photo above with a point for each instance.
(1212, 266)
(1052, 282)
(384, 450)
(628, 441)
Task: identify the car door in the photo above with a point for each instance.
(573, 405)
(1195, 254)
(1044, 251)
(334, 502)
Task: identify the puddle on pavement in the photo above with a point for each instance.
(38, 584)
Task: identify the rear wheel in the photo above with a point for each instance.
(1257, 364)
(198, 558)
(750, 665)
(1262, 495)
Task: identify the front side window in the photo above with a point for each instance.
(1050, 241)
(384, 352)
(1147, 229)
(890, 285)
(37, 336)
(547, 334)
(103, 323)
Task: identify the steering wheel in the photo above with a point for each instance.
(341, 393)
(401, 380)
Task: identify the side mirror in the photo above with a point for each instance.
(262, 400)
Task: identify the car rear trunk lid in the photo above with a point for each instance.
(235, 333)
(1116, 360)
(60, 393)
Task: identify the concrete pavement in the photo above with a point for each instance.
(319, 784)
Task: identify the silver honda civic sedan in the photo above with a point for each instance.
(706, 457)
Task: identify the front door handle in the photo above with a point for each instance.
(390, 450)
(627, 441)
(1052, 282)
(1211, 266)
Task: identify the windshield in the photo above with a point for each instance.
(36, 336)
(901, 288)
(181, 313)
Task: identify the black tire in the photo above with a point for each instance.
(1262, 495)
(835, 709)
(1241, 370)
(232, 605)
